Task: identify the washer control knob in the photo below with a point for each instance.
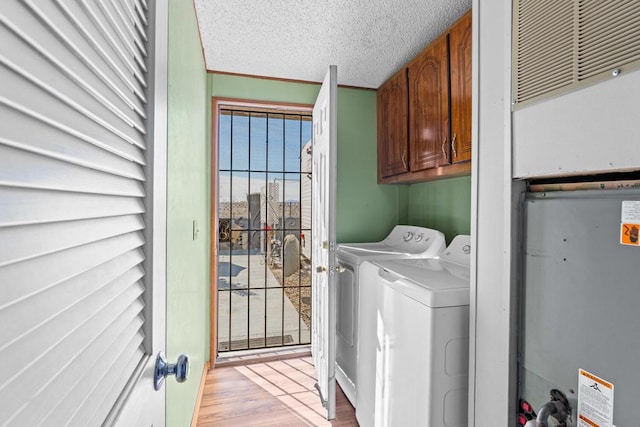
(419, 237)
(408, 236)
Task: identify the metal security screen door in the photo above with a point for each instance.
(264, 229)
(82, 184)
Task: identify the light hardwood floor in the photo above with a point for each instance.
(275, 393)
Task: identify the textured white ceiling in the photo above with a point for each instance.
(298, 39)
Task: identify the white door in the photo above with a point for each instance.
(323, 340)
(82, 211)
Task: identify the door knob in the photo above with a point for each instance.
(180, 369)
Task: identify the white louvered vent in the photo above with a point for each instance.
(544, 50)
(72, 206)
(608, 35)
(559, 46)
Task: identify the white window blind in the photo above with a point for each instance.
(73, 136)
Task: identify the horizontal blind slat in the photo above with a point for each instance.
(100, 21)
(47, 139)
(71, 384)
(53, 326)
(125, 33)
(140, 11)
(20, 206)
(44, 306)
(47, 75)
(84, 390)
(60, 49)
(109, 385)
(128, 71)
(57, 175)
(60, 267)
(70, 334)
(61, 28)
(16, 91)
(137, 22)
(32, 241)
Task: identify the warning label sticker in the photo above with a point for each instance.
(630, 222)
(595, 401)
(630, 212)
(629, 234)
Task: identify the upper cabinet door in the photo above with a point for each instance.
(429, 140)
(460, 54)
(392, 104)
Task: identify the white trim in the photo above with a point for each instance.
(474, 207)
(158, 230)
(494, 222)
(143, 395)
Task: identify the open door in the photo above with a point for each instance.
(323, 340)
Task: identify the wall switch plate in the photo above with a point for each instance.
(196, 230)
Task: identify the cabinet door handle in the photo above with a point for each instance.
(404, 159)
(453, 146)
(444, 151)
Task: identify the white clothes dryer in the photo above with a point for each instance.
(403, 242)
(413, 341)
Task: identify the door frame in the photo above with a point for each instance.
(216, 104)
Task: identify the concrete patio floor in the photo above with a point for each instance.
(254, 312)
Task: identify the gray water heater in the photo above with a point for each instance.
(580, 297)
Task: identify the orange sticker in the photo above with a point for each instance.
(629, 234)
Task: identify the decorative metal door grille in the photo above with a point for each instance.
(264, 229)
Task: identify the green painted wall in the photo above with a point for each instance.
(366, 211)
(187, 185)
(444, 205)
(239, 87)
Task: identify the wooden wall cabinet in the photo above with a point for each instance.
(424, 126)
(460, 60)
(393, 153)
(429, 107)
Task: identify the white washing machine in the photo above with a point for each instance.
(413, 343)
(404, 241)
